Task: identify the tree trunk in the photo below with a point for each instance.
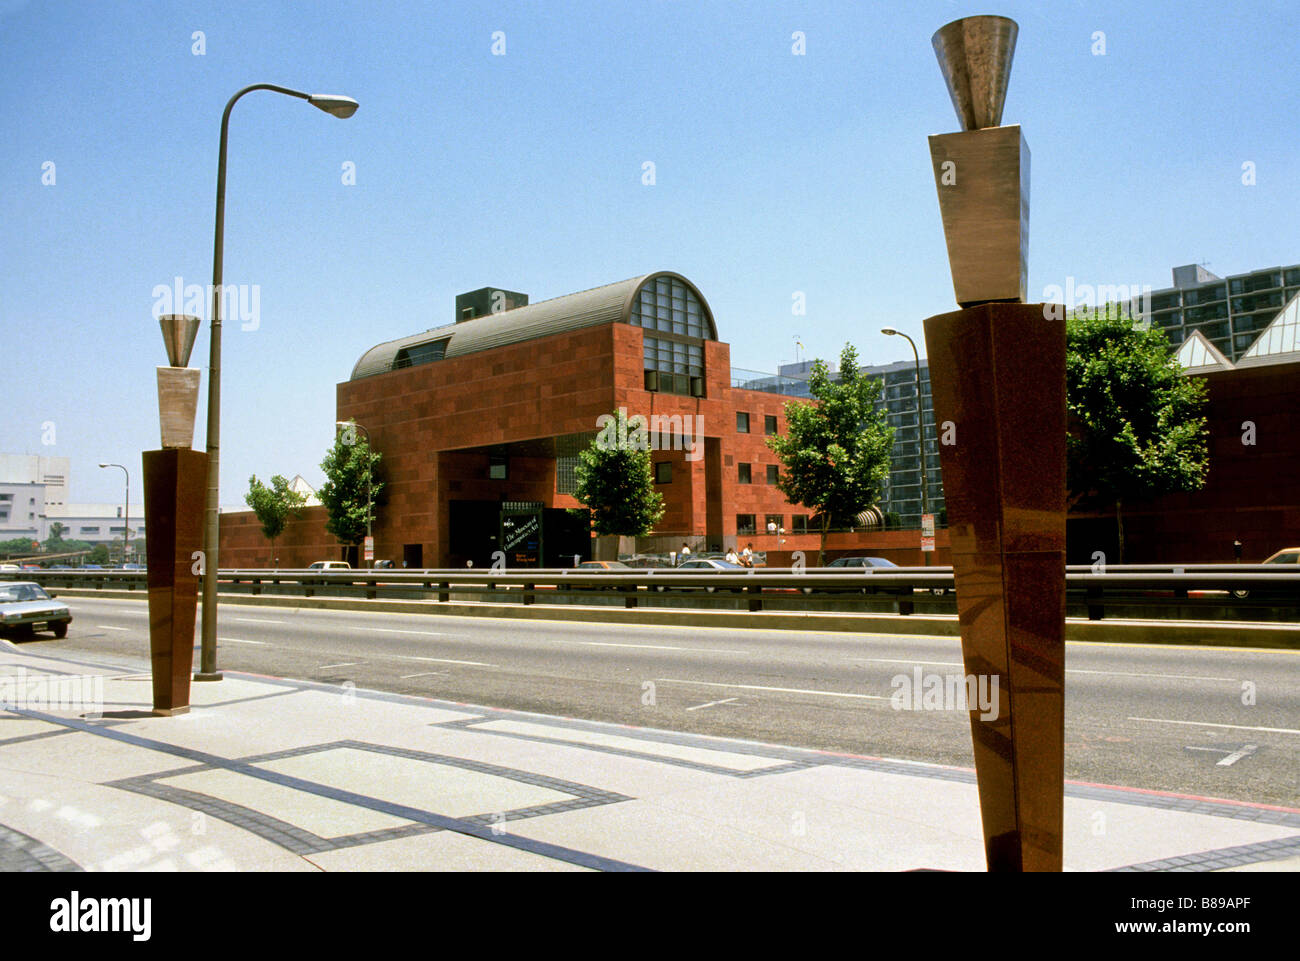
(1119, 529)
(821, 550)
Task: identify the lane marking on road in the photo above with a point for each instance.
(906, 660)
(1181, 677)
(1235, 727)
(660, 647)
(1246, 750)
(237, 640)
(110, 627)
(1068, 670)
(443, 660)
(256, 620)
(713, 703)
(393, 630)
(344, 664)
(426, 674)
(782, 690)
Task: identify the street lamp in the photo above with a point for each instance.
(340, 107)
(126, 509)
(353, 425)
(920, 420)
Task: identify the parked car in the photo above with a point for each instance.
(25, 608)
(327, 566)
(717, 565)
(603, 566)
(10, 567)
(1287, 555)
(384, 565)
(864, 564)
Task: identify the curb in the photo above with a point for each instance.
(1201, 633)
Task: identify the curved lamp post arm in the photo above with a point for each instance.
(340, 107)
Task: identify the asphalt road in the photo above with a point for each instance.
(1148, 716)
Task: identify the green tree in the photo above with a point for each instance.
(55, 539)
(614, 477)
(1136, 423)
(349, 503)
(835, 454)
(274, 505)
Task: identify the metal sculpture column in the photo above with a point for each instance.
(174, 487)
(998, 373)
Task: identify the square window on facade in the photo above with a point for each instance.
(664, 472)
(773, 523)
(799, 523)
(744, 474)
(769, 424)
(744, 524)
(742, 422)
(772, 473)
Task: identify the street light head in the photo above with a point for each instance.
(343, 107)
(104, 465)
(888, 330)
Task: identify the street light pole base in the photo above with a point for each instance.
(200, 676)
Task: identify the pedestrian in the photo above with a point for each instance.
(685, 553)
(747, 555)
(732, 557)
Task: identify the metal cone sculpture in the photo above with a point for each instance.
(998, 373)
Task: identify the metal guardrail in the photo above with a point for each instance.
(1258, 587)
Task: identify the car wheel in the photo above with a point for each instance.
(61, 629)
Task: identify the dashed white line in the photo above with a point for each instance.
(782, 690)
(344, 664)
(1180, 677)
(256, 620)
(713, 703)
(110, 627)
(445, 660)
(237, 640)
(1235, 727)
(661, 647)
(394, 630)
(425, 674)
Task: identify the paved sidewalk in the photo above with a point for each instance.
(267, 774)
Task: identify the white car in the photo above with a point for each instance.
(25, 607)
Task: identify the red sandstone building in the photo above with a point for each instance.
(480, 423)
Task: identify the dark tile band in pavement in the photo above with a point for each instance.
(281, 833)
(22, 853)
(646, 755)
(405, 812)
(22, 738)
(1217, 860)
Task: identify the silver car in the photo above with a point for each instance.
(25, 608)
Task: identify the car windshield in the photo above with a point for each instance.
(22, 592)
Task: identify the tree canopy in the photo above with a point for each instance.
(1136, 423)
(614, 478)
(273, 505)
(835, 454)
(348, 466)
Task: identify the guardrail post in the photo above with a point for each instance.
(257, 585)
(528, 593)
(1095, 608)
(755, 598)
(372, 590)
(906, 606)
(630, 600)
(443, 594)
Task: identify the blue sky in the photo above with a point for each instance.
(775, 173)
